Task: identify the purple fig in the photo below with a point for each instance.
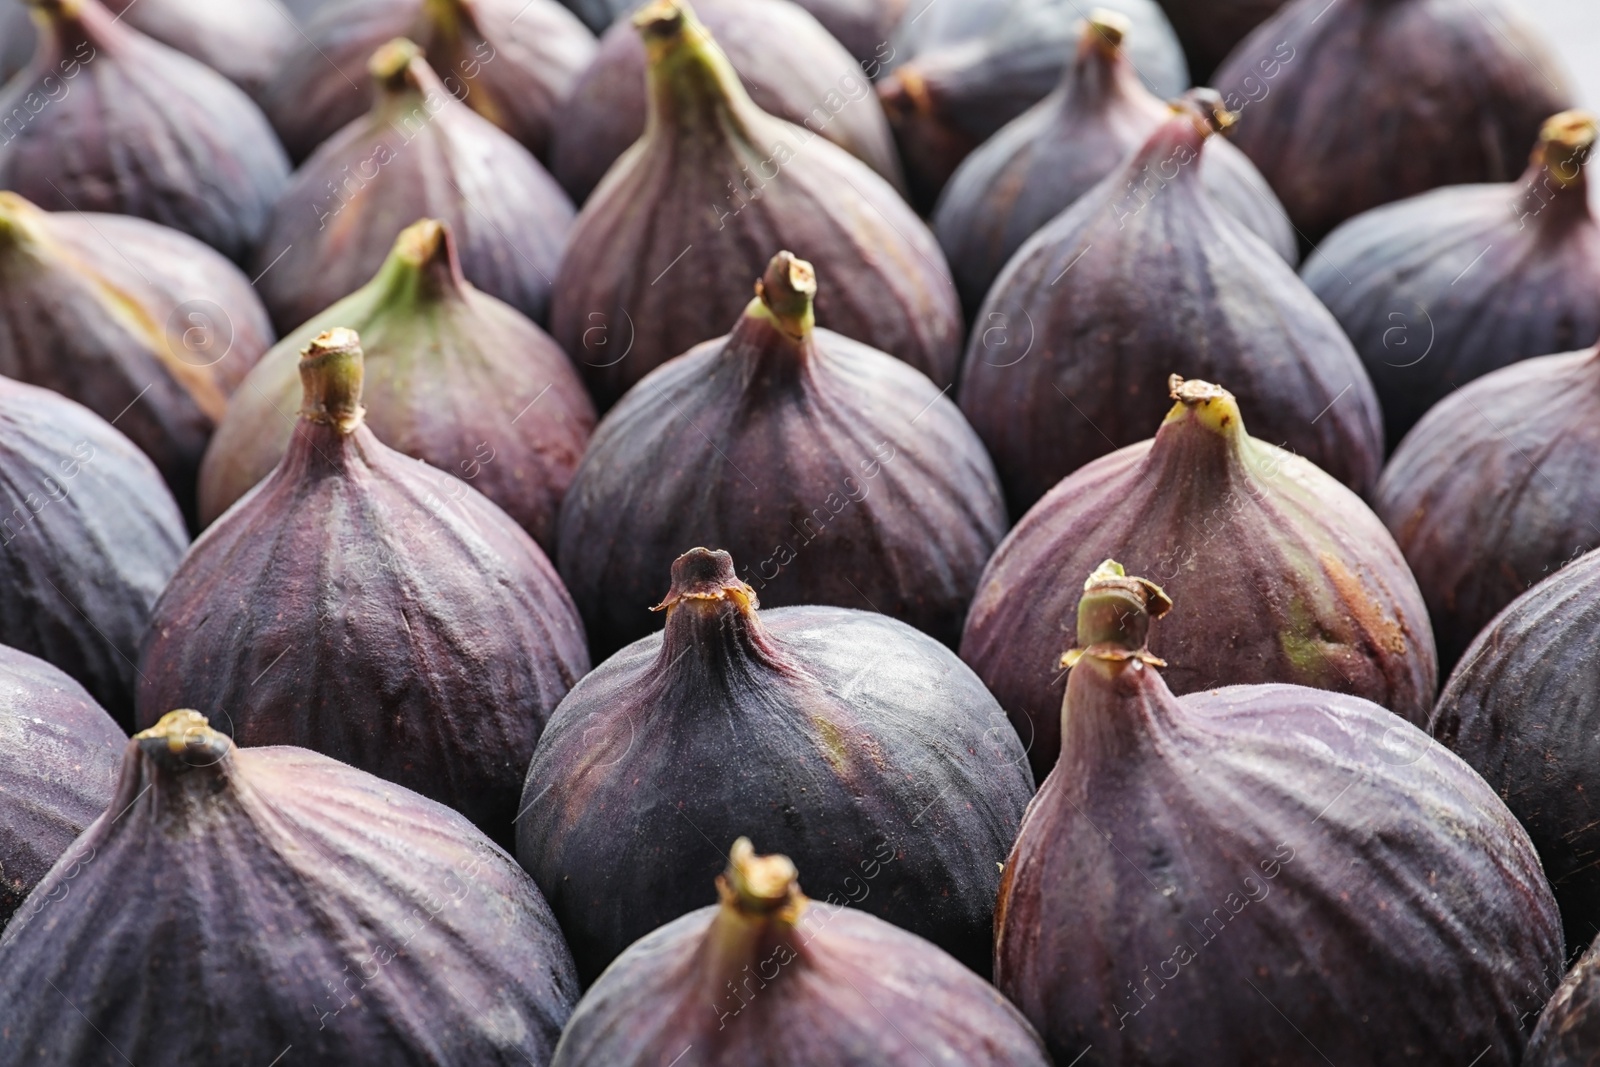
(1210, 29)
(1569, 1029)
(246, 41)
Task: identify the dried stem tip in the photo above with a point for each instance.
(183, 738)
(1565, 142)
(1210, 405)
(705, 575)
(390, 65)
(1206, 108)
(331, 371)
(1106, 29)
(1114, 615)
(787, 292)
(760, 885)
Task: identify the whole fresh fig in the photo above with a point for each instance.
(850, 741)
(771, 965)
(233, 904)
(1569, 1029)
(1441, 288)
(453, 377)
(511, 61)
(246, 41)
(88, 537)
(347, 606)
(1461, 85)
(837, 474)
(1145, 274)
(105, 119)
(1281, 574)
(1260, 874)
(1210, 29)
(792, 68)
(736, 182)
(419, 153)
(1062, 147)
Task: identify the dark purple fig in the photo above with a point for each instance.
(962, 69)
(836, 473)
(88, 537)
(791, 983)
(1070, 355)
(453, 377)
(59, 753)
(853, 743)
(246, 41)
(347, 606)
(1569, 1029)
(789, 64)
(419, 153)
(1210, 29)
(106, 119)
(1065, 145)
(736, 182)
(511, 61)
(1444, 287)
(1348, 106)
(1261, 873)
(1281, 574)
(233, 904)
(143, 325)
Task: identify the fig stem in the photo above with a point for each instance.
(1114, 616)
(422, 266)
(390, 66)
(786, 295)
(690, 79)
(183, 739)
(1104, 31)
(1206, 108)
(1565, 143)
(761, 885)
(1210, 405)
(331, 371)
(701, 574)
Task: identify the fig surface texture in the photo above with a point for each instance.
(1569, 1029)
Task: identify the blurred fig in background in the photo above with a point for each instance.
(511, 61)
(1145, 274)
(18, 38)
(246, 41)
(1441, 288)
(1569, 1029)
(419, 153)
(1209, 29)
(862, 26)
(1350, 105)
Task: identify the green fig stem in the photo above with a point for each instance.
(331, 370)
(761, 905)
(391, 65)
(785, 296)
(691, 82)
(1114, 616)
(1565, 143)
(183, 740)
(423, 267)
(1210, 405)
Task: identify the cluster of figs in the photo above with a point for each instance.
(446, 616)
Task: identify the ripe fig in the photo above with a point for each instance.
(1439, 289)
(1569, 1029)
(59, 753)
(836, 473)
(1462, 86)
(1066, 144)
(419, 153)
(246, 41)
(1071, 352)
(737, 182)
(770, 965)
(232, 903)
(1210, 29)
(792, 68)
(421, 638)
(149, 132)
(453, 377)
(855, 744)
(1287, 576)
(88, 538)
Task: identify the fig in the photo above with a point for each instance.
(1143, 275)
(59, 753)
(246, 41)
(1462, 86)
(1258, 873)
(232, 903)
(790, 962)
(431, 636)
(1569, 1029)
(143, 325)
(1210, 29)
(836, 473)
(511, 61)
(1287, 575)
(961, 69)
(853, 743)
(149, 132)
(88, 537)
(864, 27)
(737, 182)
(453, 377)
(419, 153)
(792, 68)
(1441, 288)
(1062, 147)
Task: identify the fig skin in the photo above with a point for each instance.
(1210, 29)
(792, 963)
(232, 900)
(246, 41)
(1462, 85)
(89, 536)
(1569, 1030)
(1305, 832)
(430, 156)
(1071, 352)
(59, 754)
(453, 377)
(633, 284)
(1442, 288)
(791, 67)
(1061, 148)
(837, 474)
(133, 127)
(1281, 574)
(430, 636)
